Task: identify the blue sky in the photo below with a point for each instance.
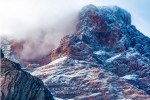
(140, 12)
(20, 16)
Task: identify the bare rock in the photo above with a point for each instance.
(17, 84)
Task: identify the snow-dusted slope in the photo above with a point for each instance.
(80, 79)
(7, 50)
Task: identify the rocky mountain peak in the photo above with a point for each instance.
(101, 25)
(107, 27)
(104, 39)
(106, 53)
(111, 14)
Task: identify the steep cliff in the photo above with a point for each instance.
(17, 84)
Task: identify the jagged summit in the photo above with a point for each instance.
(106, 26)
(111, 14)
(96, 27)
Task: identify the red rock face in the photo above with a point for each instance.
(17, 47)
(73, 47)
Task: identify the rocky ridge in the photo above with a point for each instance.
(69, 78)
(17, 84)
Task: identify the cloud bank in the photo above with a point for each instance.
(44, 23)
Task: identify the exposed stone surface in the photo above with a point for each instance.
(68, 78)
(17, 84)
(2, 55)
(72, 46)
(100, 25)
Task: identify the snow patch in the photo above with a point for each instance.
(59, 60)
(90, 95)
(129, 77)
(36, 73)
(56, 98)
(132, 54)
(113, 58)
(99, 52)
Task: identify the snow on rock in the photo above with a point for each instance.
(107, 58)
(116, 44)
(59, 60)
(129, 77)
(99, 52)
(113, 58)
(84, 81)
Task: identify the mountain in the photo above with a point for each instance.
(17, 84)
(106, 58)
(116, 44)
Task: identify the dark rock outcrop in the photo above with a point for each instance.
(17, 84)
(2, 55)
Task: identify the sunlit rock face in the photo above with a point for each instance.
(72, 46)
(17, 84)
